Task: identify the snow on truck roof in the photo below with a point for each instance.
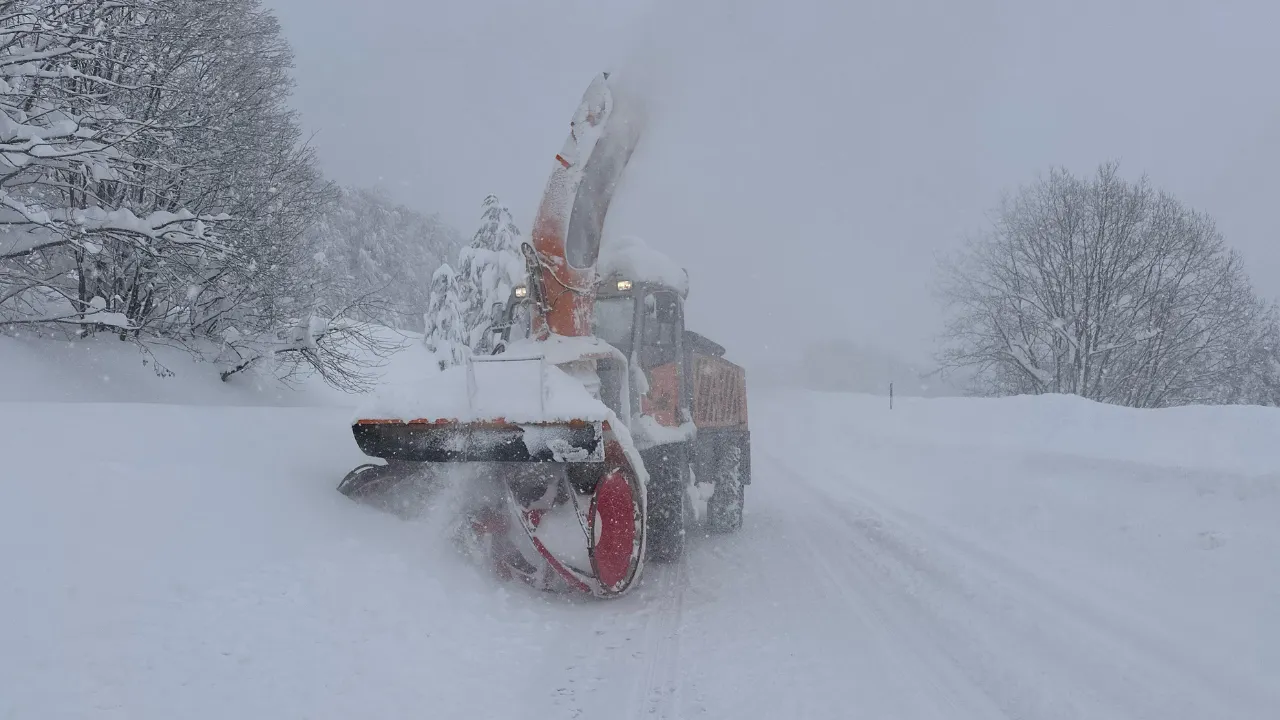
(629, 257)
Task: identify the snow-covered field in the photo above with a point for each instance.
(175, 548)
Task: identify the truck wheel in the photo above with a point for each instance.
(400, 488)
(724, 509)
(667, 513)
(370, 479)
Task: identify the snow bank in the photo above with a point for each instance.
(104, 369)
(1240, 439)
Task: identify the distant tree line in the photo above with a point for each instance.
(155, 185)
(384, 250)
(1111, 290)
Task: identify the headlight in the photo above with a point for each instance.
(522, 292)
(624, 285)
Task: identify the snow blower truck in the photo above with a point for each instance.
(600, 429)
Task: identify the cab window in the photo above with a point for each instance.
(661, 312)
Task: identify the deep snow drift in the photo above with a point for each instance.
(1030, 557)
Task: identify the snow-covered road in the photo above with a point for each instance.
(1030, 558)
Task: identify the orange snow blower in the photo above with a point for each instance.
(602, 428)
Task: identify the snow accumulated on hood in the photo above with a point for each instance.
(520, 391)
(631, 257)
(560, 349)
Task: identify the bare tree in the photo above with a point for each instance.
(1259, 382)
(1106, 289)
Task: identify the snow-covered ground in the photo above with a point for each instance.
(175, 548)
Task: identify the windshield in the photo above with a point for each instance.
(614, 317)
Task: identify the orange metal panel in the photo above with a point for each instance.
(719, 393)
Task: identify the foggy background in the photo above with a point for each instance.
(804, 160)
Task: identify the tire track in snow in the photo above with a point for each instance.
(1035, 649)
(958, 656)
(787, 634)
(1107, 626)
(659, 692)
(626, 662)
(909, 643)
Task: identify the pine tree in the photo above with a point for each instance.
(445, 332)
(489, 268)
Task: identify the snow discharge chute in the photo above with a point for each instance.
(545, 420)
(570, 221)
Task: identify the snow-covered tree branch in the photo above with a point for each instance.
(154, 183)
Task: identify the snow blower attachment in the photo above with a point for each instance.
(541, 421)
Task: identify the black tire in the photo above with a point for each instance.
(667, 514)
(368, 479)
(724, 508)
(399, 488)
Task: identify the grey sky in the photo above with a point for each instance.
(805, 159)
